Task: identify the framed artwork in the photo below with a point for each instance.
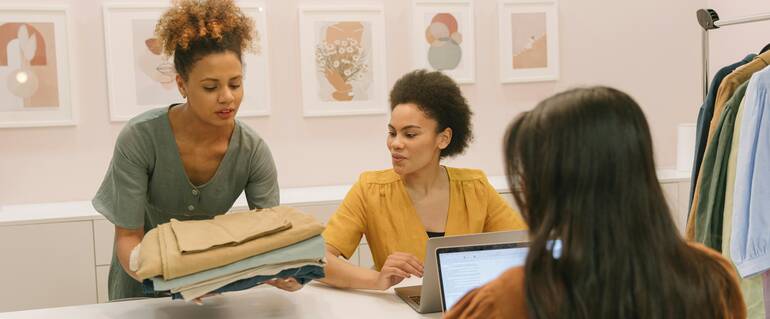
(529, 40)
(140, 77)
(35, 79)
(443, 38)
(342, 53)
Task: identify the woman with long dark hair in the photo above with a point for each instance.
(582, 172)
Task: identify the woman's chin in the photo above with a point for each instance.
(400, 169)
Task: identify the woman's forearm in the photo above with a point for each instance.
(342, 274)
(125, 241)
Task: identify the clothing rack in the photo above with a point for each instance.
(709, 20)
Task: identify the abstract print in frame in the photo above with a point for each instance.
(35, 80)
(342, 52)
(140, 77)
(443, 38)
(529, 40)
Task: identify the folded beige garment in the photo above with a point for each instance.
(229, 229)
(160, 254)
(204, 287)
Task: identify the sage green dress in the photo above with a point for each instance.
(146, 183)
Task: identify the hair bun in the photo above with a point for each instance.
(193, 20)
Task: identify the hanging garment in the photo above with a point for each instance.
(160, 254)
(724, 93)
(750, 238)
(705, 114)
(751, 287)
(710, 204)
(767, 293)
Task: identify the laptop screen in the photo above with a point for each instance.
(462, 269)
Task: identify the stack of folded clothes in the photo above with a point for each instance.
(231, 252)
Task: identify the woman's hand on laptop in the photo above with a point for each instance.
(397, 267)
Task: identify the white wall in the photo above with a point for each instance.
(650, 49)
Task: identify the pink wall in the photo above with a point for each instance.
(650, 49)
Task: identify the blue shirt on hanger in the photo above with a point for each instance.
(750, 243)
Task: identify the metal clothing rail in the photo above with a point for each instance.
(709, 20)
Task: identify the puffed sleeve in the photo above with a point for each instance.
(348, 223)
(500, 216)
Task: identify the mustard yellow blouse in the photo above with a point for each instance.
(379, 207)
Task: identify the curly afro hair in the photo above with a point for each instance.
(192, 29)
(440, 98)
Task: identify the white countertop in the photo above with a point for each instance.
(316, 300)
(296, 196)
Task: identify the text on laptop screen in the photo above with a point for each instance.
(463, 270)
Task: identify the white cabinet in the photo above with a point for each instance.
(102, 273)
(322, 212)
(683, 206)
(508, 197)
(47, 265)
(104, 239)
(677, 196)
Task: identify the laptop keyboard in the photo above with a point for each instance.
(416, 299)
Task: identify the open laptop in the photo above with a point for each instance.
(426, 298)
(463, 268)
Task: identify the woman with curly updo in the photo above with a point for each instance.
(398, 209)
(191, 160)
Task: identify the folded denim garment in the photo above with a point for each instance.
(313, 248)
(202, 288)
(160, 254)
(303, 275)
(229, 229)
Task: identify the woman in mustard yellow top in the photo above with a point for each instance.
(398, 209)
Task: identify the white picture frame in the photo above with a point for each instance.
(35, 66)
(529, 40)
(356, 85)
(140, 78)
(444, 38)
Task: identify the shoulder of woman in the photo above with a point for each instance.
(141, 130)
(733, 303)
(503, 297)
(713, 254)
(384, 176)
(248, 135)
(466, 174)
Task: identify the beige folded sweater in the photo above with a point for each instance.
(229, 229)
(161, 254)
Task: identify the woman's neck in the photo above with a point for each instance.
(190, 127)
(426, 178)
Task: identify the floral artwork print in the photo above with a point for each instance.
(342, 59)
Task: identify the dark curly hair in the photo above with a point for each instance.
(440, 98)
(192, 29)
